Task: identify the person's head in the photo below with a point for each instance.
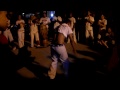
(32, 17)
(19, 17)
(34, 21)
(89, 13)
(102, 17)
(3, 20)
(44, 14)
(9, 15)
(71, 14)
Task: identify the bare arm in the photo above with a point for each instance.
(72, 42)
(102, 24)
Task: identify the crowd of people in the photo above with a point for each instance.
(55, 32)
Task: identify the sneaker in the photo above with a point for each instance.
(38, 45)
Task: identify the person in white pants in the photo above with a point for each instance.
(19, 21)
(21, 35)
(34, 32)
(88, 27)
(73, 21)
(102, 23)
(58, 50)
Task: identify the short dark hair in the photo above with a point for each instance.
(34, 21)
(67, 21)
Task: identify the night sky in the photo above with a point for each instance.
(57, 4)
(108, 6)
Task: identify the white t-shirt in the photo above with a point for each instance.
(65, 29)
(20, 21)
(104, 21)
(45, 21)
(88, 24)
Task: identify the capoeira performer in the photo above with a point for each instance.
(73, 21)
(102, 23)
(45, 20)
(44, 28)
(88, 27)
(34, 31)
(58, 50)
(21, 35)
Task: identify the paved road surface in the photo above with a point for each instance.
(82, 68)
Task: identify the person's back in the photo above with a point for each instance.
(62, 34)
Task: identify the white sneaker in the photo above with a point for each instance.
(38, 45)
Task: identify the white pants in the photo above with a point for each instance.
(21, 39)
(8, 35)
(36, 35)
(58, 53)
(89, 33)
(74, 37)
